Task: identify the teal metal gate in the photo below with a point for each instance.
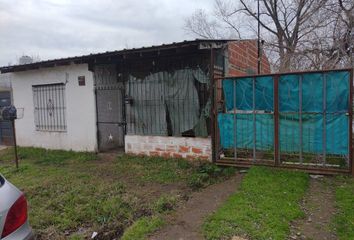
(298, 120)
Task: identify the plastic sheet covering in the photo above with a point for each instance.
(324, 98)
(244, 131)
(244, 93)
(289, 135)
(312, 133)
(337, 92)
(147, 113)
(166, 93)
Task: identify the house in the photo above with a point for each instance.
(153, 100)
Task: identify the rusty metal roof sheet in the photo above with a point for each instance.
(88, 57)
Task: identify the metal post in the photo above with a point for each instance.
(259, 40)
(276, 119)
(97, 124)
(352, 41)
(15, 144)
(324, 133)
(300, 118)
(351, 160)
(235, 124)
(213, 106)
(254, 117)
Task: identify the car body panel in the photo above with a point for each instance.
(22, 233)
(9, 194)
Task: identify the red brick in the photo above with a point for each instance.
(153, 153)
(203, 157)
(197, 150)
(166, 154)
(190, 156)
(177, 155)
(184, 149)
(243, 55)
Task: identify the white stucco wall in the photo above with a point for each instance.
(80, 108)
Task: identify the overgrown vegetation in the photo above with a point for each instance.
(73, 194)
(165, 204)
(262, 209)
(344, 219)
(141, 228)
(197, 174)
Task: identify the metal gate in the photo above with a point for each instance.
(110, 108)
(6, 133)
(295, 120)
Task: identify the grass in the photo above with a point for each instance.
(344, 219)
(266, 203)
(165, 203)
(143, 227)
(73, 194)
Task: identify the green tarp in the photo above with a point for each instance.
(324, 108)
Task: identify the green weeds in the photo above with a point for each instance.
(262, 209)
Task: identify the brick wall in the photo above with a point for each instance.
(169, 147)
(243, 58)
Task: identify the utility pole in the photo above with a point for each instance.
(259, 41)
(352, 42)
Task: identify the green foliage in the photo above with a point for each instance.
(70, 190)
(45, 156)
(165, 203)
(156, 169)
(207, 174)
(142, 227)
(262, 209)
(344, 219)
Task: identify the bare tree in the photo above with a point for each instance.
(300, 33)
(199, 24)
(332, 46)
(347, 13)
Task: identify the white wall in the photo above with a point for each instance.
(80, 108)
(169, 147)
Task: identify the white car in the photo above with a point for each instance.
(13, 213)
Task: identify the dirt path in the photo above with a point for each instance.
(318, 206)
(185, 224)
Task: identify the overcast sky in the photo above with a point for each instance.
(62, 28)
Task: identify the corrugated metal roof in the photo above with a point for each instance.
(86, 58)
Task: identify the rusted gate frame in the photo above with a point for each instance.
(249, 162)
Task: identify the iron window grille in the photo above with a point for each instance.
(49, 107)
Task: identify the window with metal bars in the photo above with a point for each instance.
(49, 107)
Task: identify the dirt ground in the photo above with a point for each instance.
(319, 208)
(186, 222)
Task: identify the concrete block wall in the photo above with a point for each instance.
(169, 147)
